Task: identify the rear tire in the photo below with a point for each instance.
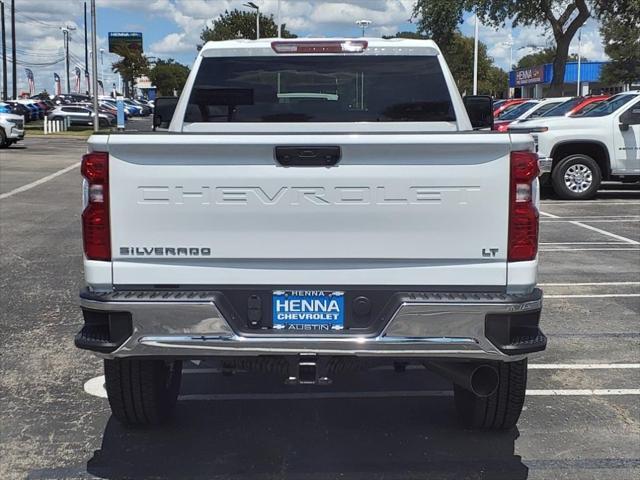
(576, 177)
(142, 392)
(3, 139)
(501, 410)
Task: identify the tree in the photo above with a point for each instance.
(168, 76)
(621, 33)
(133, 64)
(458, 52)
(241, 24)
(543, 56)
(562, 17)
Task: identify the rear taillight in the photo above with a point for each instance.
(523, 214)
(96, 231)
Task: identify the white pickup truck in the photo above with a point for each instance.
(578, 153)
(315, 206)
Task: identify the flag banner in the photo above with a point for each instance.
(30, 81)
(100, 87)
(78, 73)
(57, 84)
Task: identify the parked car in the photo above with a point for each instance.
(530, 112)
(432, 255)
(11, 129)
(20, 109)
(79, 115)
(573, 106)
(577, 153)
(507, 104)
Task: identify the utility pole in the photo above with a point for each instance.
(475, 58)
(94, 66)
(578, 93)
(4, 55)
(86, 58)
(13, 50)
(102, 65)
(279, 21)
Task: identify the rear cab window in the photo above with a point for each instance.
(327, 88)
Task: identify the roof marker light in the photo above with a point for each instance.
(347, 46)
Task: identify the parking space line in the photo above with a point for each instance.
(608, 220)
(572, 392)
(604, 232)
(599, 295)
(31, 185)
(583, 243)
(583, 366)
(589, 202)
(586, 284)
(550, 215)
(594, 249)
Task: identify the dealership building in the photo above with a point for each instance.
(532, 82)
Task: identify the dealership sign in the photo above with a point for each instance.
(126, 40)
(526, 76)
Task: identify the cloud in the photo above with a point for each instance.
(176, 26)
(172, 43)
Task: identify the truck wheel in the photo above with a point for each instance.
(140, 391)
(3, 139)
(576, 177)
(501, 410)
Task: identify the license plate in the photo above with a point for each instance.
(308, 311)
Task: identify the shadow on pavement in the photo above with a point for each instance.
(415, 437)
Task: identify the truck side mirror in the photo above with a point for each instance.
(480, 111)
(630, 117)
(163, 110)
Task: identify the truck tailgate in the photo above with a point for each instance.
(398, 209)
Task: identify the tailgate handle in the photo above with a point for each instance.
(323, 156)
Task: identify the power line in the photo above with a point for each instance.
(35, 20)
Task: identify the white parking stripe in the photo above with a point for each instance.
(582, 243)
(586, 284)
(589, 202)
(601, 295)
(604, 232)
(31, 185)
(595, 249)
(617, 220)
(550, 215)
(583, 392)
(583, 366)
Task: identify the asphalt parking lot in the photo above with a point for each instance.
(581, 418)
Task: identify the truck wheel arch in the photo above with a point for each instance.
(593, 148)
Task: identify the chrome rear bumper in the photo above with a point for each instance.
(428, 325)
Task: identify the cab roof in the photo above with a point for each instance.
(374, 46)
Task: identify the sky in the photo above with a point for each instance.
(171, 29)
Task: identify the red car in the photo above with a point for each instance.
(587, 104)
(575, 106)
(507, 104)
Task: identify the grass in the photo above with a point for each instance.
(37, 128)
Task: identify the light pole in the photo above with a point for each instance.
(475, 57)
(257, 9)
(94, 67)
(578, 93)
(102, 65)
(509, 43)
(363, 24)
(65, 33)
